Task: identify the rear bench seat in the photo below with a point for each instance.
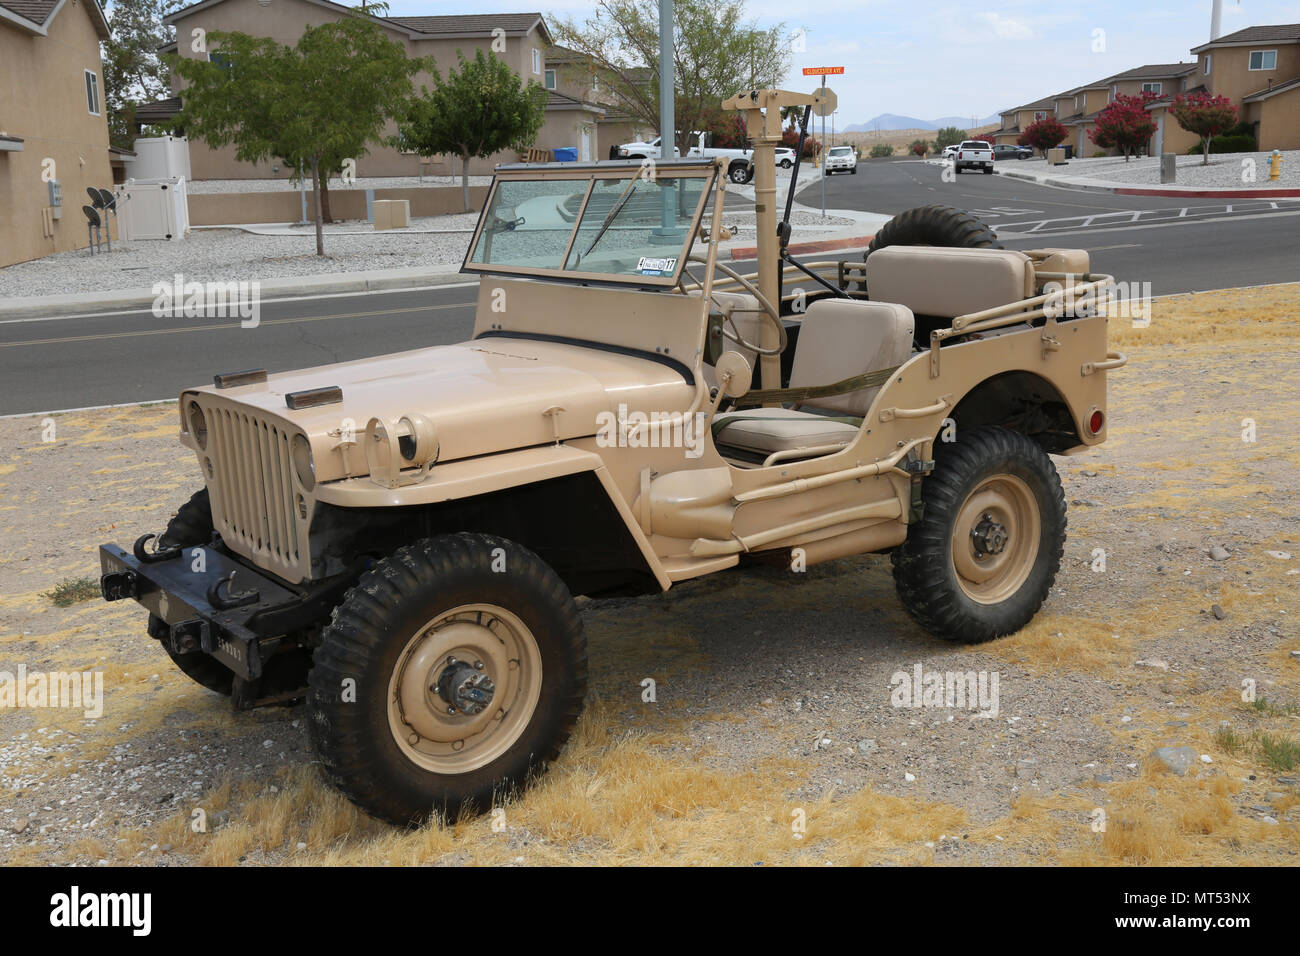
(947, 282)
(839, 338)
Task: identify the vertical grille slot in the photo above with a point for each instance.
(253, 470)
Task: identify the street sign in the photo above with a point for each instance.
(822, 70)
(825, 101)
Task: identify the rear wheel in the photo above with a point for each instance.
(740, 174)
(983, 558)
(988, 170)
(451, 673)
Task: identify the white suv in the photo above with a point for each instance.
(841, 158)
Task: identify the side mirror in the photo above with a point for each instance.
(734, 374)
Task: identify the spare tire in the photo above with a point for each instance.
(934, 225)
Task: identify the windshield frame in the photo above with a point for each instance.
(706, 170)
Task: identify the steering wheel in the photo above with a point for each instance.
(729, 330)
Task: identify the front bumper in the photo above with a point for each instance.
(205, 609)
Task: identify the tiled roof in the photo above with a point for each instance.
(1154, 71)
(560, 101)
(1046, 103)
(471, 23)
(40, 11)
(158, 111)
(1271, 33)
(1272, 91)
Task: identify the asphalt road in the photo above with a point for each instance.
(1176, 245)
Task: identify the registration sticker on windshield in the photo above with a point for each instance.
(656, 267)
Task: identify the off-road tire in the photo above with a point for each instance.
(925, 571)
(370, 638)
(934, 225)
(191, 526)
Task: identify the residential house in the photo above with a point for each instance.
(53, 129)
(520, 39)
(1258, 68)
(1016, 121)
(573, 75)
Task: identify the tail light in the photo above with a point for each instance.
(1096, 421)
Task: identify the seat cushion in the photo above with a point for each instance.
(766, 430)
(948, 282)
(841, 338)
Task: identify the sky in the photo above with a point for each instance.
(931, 58)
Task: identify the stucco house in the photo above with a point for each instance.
(53, 128)
(571, 120)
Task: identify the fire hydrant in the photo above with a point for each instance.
(1275, 166)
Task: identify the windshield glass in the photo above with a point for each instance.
(841, 150)
(620, 225)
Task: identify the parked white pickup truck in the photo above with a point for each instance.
(974, 153)
(739, 160)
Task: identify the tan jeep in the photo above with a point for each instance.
(399, 539)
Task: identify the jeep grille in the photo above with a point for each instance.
(252, 486)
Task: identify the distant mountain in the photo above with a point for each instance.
(895, 121)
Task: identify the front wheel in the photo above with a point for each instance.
(983, 558)
(452, 672)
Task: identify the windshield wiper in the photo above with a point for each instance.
(614, 211)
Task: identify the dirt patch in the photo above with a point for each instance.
(774, 737)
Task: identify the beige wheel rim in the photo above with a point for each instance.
(995, 539)
(464, 689)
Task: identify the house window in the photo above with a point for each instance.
(1152, 88)
(222, 60)
(595, 83)
(1263, 59)
(92, 93)
(1040, 115)
(1207, 64)
(537, 60)
(550, 79)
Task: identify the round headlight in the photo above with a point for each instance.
(198, 425)
(303, 465)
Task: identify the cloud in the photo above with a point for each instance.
(1006, 28)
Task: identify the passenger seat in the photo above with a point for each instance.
(840, 338)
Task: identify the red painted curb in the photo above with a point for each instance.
(1214, 193)
(799, 248)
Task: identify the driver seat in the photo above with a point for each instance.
(839, 338)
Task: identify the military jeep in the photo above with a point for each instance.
(399, 540)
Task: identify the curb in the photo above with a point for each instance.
(1175, 191)
(44, 306)
(798, 248)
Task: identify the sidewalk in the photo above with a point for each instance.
(1065, 176)
(205, 256)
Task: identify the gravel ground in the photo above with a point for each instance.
(773, 690)
(1224, 171)
(284, 251)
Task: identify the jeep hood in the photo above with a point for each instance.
(489, 395)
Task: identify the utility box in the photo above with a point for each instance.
(56, 199)
(1168, 167)
(152, 209)
(1056, 156)
(159, 158)
(392, 214)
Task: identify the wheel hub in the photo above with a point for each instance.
(989, 537)
(465, 687)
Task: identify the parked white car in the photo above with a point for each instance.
(950, 151)
(974, 154)
(842, 159)
(784, 157)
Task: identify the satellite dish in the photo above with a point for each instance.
(825, 102)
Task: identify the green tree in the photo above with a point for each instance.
(881, 150)
(480, 109)
(311, 105)
(948, 136)
(1204, 114)
(716, 53)
(133, 71)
